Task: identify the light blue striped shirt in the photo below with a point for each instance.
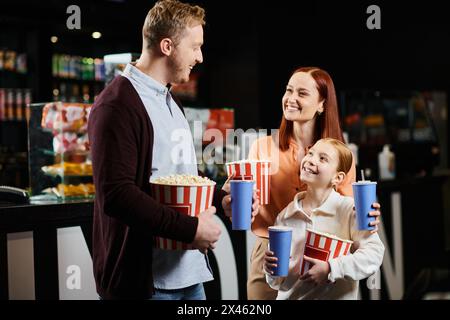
(173, 153)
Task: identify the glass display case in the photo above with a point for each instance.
(59, 160)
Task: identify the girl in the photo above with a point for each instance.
(321, 208)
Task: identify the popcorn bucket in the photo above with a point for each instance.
(323, 247)
(188, 200)
(257, 170)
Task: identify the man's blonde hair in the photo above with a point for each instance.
(168, 19)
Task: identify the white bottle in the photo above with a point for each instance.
(353, 147)
(386, 164)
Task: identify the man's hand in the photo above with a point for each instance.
(208, 231)
(318, 273)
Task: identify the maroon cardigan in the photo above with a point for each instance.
(126, 217)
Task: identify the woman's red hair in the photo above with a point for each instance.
(327, 124)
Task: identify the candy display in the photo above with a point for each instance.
(69, 169)
(71, 190)
(65, 116)
(63, 143)
(82, 189)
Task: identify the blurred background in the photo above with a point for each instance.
(392, 84)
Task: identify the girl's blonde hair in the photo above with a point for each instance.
(345, 156)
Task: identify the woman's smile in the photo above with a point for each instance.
(292, 108)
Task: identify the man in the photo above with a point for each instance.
(130, 128)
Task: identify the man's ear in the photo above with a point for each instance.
(166, 46)
(338, 178)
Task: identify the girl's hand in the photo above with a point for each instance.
(318, 273)
(375, 214)
(270, 262)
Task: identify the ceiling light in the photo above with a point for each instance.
(96, 35)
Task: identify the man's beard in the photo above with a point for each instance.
(176, 71)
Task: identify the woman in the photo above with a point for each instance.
(309, 114)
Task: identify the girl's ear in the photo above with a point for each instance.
(338, 178)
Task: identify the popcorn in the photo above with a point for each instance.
(323, 246)
(183, 180)
(257, 170)
(247, 161)
(187, 194)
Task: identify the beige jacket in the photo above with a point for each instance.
(335, 216)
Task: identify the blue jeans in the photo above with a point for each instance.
(195, 292)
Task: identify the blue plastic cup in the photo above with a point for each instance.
(280, 238)
(365, 194)
(241, 203)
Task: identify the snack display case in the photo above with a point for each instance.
(59, 160)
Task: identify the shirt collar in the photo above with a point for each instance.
(145, 80)
(328, 207)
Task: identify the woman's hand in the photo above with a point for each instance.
(226, 186)
(226, 204)
(226, 201)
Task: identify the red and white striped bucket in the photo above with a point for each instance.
(188, 200)
(323, 247)
(257, 170)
